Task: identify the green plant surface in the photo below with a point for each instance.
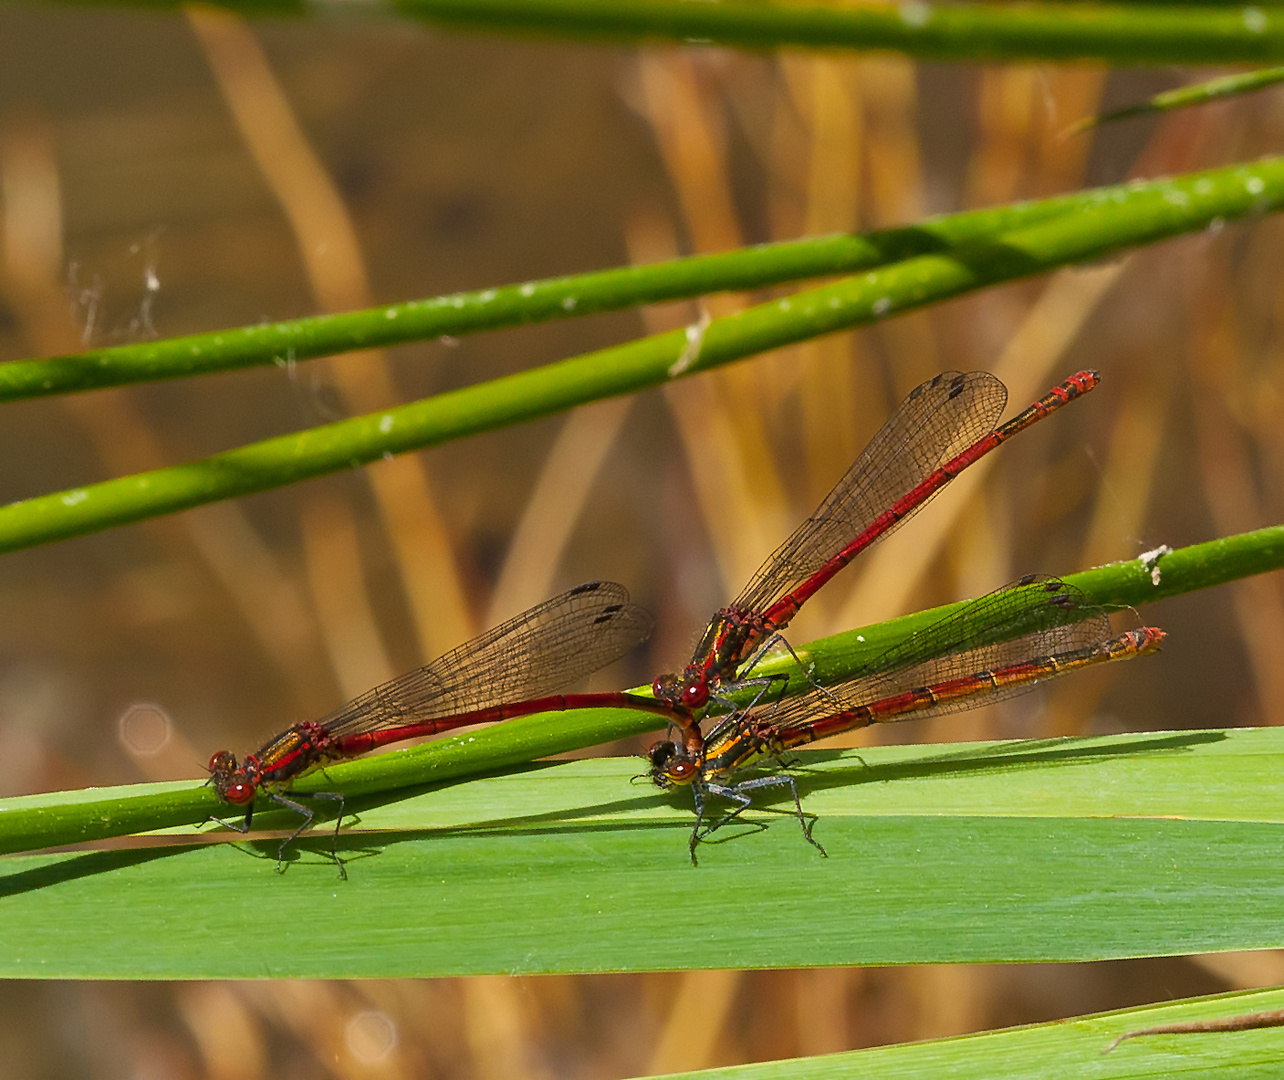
(580, 294)
(1072, 1049)
(967, 32)
(1076, 849)
(69, 817)
(1115, 587)
(1042, 850)
(1104, 226)
(1054, 850)
(1145, 33)
(571, 296)
(1185, 97)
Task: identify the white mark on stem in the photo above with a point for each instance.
(691, 350)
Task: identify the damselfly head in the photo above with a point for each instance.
(230, 780)
(691, 691)
(671, 765)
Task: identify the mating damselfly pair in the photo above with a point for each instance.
(991, 648)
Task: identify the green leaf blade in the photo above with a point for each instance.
(1063, 1050)
(936, 854)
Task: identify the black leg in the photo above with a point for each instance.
(308, 817)
(697, 794)
(739, 793)
(305, 813)
(771, 643)
(802, 819)
(243, 828)
(733, 793)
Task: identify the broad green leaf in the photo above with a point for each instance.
(1073, 849)
(1073, 1049)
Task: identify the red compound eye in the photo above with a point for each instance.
(241, 794)
(223, 761)
(695, 695)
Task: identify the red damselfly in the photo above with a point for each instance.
(992, 648)
(509, 671)
(942, 427)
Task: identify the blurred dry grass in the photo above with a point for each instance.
(160, 175)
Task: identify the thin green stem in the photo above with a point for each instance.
(56, 818)
(1109, 220)
(1142, 34)
(566, 297)
(458, 314)
(1118, 586)
(1184, 97)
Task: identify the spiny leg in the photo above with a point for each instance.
(782, 677)
(697, 794)
(244, 827)
(733, 794)
(308, 817)
(738, 793)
